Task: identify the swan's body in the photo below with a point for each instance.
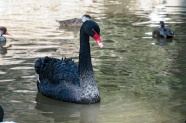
(2, 115)
(63, 79)
(75, 21)
(163, 32)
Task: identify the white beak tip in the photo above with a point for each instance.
(100, 45)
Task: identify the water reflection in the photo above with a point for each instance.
(66, 112)
(163, 41)
(3, 50)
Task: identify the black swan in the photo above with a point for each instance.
(63, 79)
(3, 31)
(2, 115)
(75, 21)
(161, 31)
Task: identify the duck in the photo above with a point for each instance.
(75, 22)
(162, 32)
(3, 31)
(62, 79)
(2, 115)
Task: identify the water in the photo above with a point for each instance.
(141, 79)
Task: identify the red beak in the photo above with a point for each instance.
(7, 33)
(97, 39)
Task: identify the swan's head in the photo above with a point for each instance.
(85, 18)
(92, 29)
(3, 31)
(161, 25)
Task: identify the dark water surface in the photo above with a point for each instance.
(141, 79)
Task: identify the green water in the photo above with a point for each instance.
(140, 79)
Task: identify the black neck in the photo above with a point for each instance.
(85, 65)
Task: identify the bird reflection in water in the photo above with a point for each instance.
(67, 112)
(164, 41)
(3, 48)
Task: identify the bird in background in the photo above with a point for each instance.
(162, 32)
(75, 22)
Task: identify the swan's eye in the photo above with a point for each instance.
(96, 32)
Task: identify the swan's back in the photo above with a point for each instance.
(55, 70)
(57, 78)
